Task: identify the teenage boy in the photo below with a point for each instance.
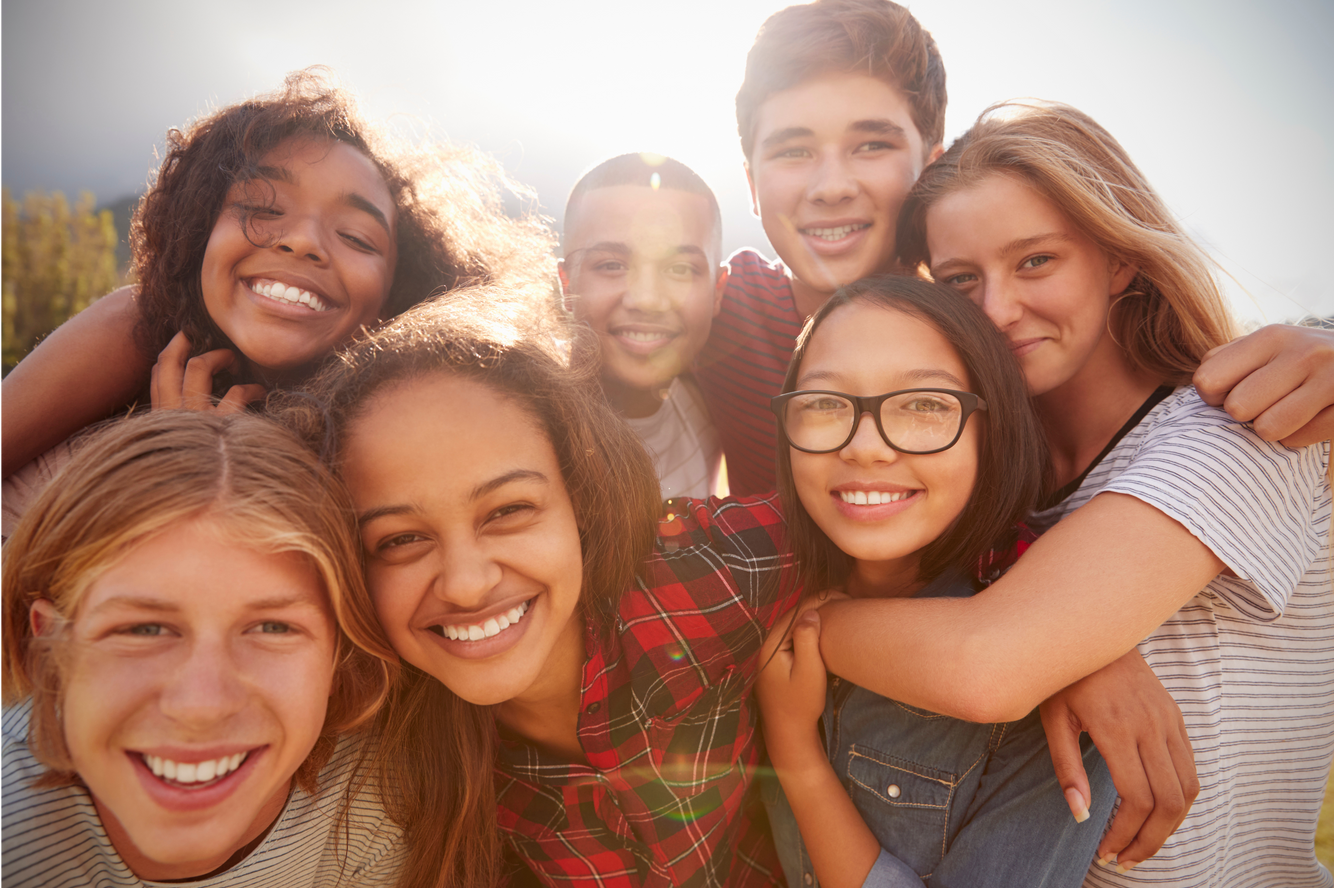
(642, 268)
(842, 106)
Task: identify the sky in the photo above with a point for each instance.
(1224, 105)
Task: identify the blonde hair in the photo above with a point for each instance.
(1172, 312)
(138, 477)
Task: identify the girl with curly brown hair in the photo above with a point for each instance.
(276, 230)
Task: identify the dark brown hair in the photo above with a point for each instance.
(436, 748)
(875, 37)
(1172, 312)
(1012, 463)
(452, 229)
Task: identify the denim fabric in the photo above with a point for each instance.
(957, 803)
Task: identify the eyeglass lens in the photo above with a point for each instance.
(914, 421)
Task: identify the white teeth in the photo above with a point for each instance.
(833, 234)
(289, 294)
(639, 336)
(871, 497)
(194, 772)
(492, 627)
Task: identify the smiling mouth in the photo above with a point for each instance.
(281, 292)
(193, 775)
(872, 497)
(833, 234)
(488, 628)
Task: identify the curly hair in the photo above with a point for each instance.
(453, 230)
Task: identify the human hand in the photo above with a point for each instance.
(1138, 728)
(1279, 378)
(180, 382)
(792, 681)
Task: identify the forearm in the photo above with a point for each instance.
(1082, 596)
(841, 847)
(81, 373)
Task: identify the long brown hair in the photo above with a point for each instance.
(452, 227)
(1012, 463)
(437, 749)
(1172, 312)
(143, 475)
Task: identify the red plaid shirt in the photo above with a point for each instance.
(668, 723)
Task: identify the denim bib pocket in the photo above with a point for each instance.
(901, 798)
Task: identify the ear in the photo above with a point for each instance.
(750, 183)
(934, 154)
(43, 618)
(1122, 274)
(719, 287)
(567, 301)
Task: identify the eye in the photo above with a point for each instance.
(510, 511)
(821, 404)
(926, 404)
(682, 270)
(795, 153)
(360, 244)
(875, 146)
(273, 627)
(144, 630)
(1035, 261)
(958, 280)
(610, 266)
(398, 540)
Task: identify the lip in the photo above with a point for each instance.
(879, 512)
(288, 309)
(180, 799)
(651, 337)
(483, 647)
(1021, 347)
(860, 231)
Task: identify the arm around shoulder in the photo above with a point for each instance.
(83, 372)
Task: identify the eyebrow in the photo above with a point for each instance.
(1014, 247)
(880, 126)
(354, 200)
(157, 605)
(623, 249)
(478, 492)
(913, 378)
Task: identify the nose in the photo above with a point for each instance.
(467, 574)
(646, 291)
(866, 446)
(833, 181)
(1000, 303)
(304, 236)
(207, 688)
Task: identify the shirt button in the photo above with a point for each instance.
(807, 879)
(894, 792)
(592, 708)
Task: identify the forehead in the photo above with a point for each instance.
(997, 210)
(328, 166)
(644, 219)
(202, 566)
(873, 350)
(439, 436)
(833, 105)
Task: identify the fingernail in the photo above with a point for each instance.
(1124, 868)
(1106, 859)
(1077, 804)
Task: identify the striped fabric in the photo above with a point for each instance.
(743, 364)
(682, 441)
(668, 724)
(53, 838)
(1250, 660)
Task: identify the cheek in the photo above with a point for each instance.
(808, 477)
(393, 604)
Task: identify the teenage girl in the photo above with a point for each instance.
(275, 231)
(912, 451)
(1181, 532)
(187, 653)
(597, 660)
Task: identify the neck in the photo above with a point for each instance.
(634, 403)
(547, 713)
(1081, 416)
(806, 299)
(151, 870)
(885, 579)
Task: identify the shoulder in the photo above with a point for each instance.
(718, 524)
(751, 276)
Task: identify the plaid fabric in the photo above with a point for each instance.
(993, 565)
(668, 724)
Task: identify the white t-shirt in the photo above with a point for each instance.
(53, 837)
(1250, 659)
(683, 442)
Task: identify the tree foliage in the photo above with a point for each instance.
(56, 261)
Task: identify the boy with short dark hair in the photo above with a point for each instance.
(842, 106)
(642, 268)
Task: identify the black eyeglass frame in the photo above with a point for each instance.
(969, 403)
